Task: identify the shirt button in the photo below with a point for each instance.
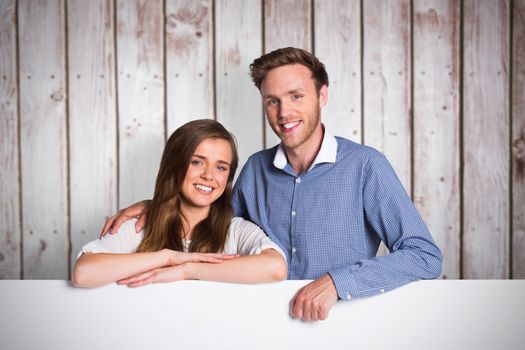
(348, 297)
(298, 180)
(294, 250)
(294, 213)
(382, 291)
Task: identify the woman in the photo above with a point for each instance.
(190, 233)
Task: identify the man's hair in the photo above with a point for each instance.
(284, 56)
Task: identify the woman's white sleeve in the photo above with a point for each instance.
(246, 238)
(124, 241)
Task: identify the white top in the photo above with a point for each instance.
(244, 238)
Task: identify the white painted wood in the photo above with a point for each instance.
(286, 23)
(436, 125)
(338, 45)
(189, 61)
(43, 138)
(206, 315)
(518, 140)
(10, 234)
(238, 43)
(140, 70)
(386, 79)
(486, 139)
(92, 118)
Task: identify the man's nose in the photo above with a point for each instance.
(284, 109)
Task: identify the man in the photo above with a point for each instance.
(326, 201)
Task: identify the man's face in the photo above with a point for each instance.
(292, 104)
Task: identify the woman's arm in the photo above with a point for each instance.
(97, 269)
(268, 266)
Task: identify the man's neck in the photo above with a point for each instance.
(302, 156)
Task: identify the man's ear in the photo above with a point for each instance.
(323, 96)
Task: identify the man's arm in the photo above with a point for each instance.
(391, 215)
(137, 210)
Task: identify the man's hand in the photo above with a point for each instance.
(137, 210)
(314, 301)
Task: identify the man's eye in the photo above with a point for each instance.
(296, 97)
(272, 101)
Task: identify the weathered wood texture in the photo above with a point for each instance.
(189, 61)
(140, 67)
(238, 29)
(486, 139)
(386, 80)
(10, 262)
(518, 140)
(286, 23)
(338, 46)
(92, 118)
(43, 138)
(90, 89)
(436, 124)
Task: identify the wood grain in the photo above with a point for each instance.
(238, 43)
(286, 23)
(140, 67)
(386, 80)
(92, 118)
(189, 61)
(486, 139)
(518, 141)
(338, 45)
(436, 125)
(43, 138)
(10, 230)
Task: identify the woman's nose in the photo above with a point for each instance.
(206, 173)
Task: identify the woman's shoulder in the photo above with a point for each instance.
(238, 224)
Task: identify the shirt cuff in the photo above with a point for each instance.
(345, 284)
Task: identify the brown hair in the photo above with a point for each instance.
(164, 228)
(288, 55)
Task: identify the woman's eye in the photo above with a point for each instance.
(222, 168)
(196, 162)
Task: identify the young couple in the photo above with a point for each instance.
(325, 202)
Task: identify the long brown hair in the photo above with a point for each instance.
(164, 226)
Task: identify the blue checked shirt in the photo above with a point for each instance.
(332, 218)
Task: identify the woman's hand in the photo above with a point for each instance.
(177, 258)
(159, 275)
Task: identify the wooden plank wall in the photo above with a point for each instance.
(91, 89)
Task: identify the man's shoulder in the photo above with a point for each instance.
(356, 150)
(264, 156)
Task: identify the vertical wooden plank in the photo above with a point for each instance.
(518, 140)
(286, 23)
(486, 139)
(436, 125)
(10, 234)
(338, 45)
(140, 67)
(238, 43)
(43, 138)
(92, 118)
(386, 79)
(189, 61)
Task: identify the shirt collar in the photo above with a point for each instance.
(327, 153)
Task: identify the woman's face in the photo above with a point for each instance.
(207, 174)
